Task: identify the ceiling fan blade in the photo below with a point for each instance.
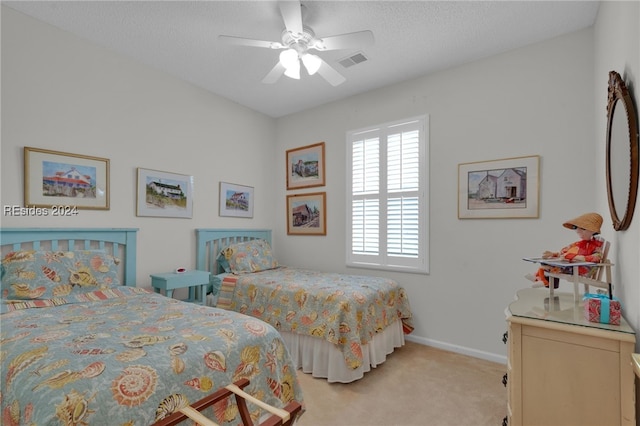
(331, 75)
(275, 74)
(241, 41)
(292, 16)
(344, 41)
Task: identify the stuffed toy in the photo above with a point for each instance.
(587, 249)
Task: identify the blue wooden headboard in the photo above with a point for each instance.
(120, 242)
(211, 241)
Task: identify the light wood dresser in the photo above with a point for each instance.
(563, 369)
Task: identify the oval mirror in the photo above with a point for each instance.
(622, 153)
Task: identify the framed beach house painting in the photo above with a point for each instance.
(305, 166)
(56, 179)
(236, 200)
(164, 194)
(506, 188)
(307, 214)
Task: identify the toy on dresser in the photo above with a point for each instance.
(587, 249)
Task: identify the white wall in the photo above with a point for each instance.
(617, 48)
(533, 101)
(65, 94)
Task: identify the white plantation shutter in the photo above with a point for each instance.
(366, 203)
(387, 172)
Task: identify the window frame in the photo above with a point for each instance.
(382, 260)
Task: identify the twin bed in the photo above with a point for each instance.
(335, 326)
(81, 344)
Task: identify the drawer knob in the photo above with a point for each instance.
(505, 379)
(505, 337)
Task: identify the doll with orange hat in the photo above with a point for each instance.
(587, 249)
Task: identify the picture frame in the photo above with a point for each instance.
(499, 189)
(236, 200)
(164, 194)
(305, 166)
(307, 214)
(53, 179)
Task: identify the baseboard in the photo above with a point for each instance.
(501, 359)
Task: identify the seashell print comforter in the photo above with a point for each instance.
(345, 310)
(126, 356)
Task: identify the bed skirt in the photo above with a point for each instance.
(324, 360)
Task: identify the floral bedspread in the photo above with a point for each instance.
(346, 310)
(126, 356)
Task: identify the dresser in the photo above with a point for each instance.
(563, 369)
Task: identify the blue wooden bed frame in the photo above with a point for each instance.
(120, 242)
(211, 241)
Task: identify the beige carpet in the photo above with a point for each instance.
(417, 385)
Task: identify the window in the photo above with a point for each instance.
(387, 185)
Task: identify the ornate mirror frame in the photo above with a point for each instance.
(622, 152)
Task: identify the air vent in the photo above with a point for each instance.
(353, 60)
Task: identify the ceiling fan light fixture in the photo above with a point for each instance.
(311, 63)
(289, 58)
(297, 40)
(293, 71)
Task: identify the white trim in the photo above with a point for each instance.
(488, 356)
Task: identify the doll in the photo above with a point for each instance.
(587, 249)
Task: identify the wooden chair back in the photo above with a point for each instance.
(280, 416)
(597, 272)
(600, 275)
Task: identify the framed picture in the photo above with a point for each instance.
(506, 188)
(54, 179)
(307, 214)
(164, 194)
(305, 166)
(236, 200)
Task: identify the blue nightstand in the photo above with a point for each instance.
(189, 279)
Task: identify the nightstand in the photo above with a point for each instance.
(189, 279)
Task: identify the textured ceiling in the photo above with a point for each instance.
(411, 39)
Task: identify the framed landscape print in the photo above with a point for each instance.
(307, 214)
(305, 166)
(54, 179)
(506, 188)
(164, 194)
(236, 200)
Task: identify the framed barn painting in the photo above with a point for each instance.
(164, 194)
(305, 166)
(307, 214)
(236, 200)
(55, 179)
(506, 188)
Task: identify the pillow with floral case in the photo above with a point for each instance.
(247, 257)
(39, 274)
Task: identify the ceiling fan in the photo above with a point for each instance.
(297, 41)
